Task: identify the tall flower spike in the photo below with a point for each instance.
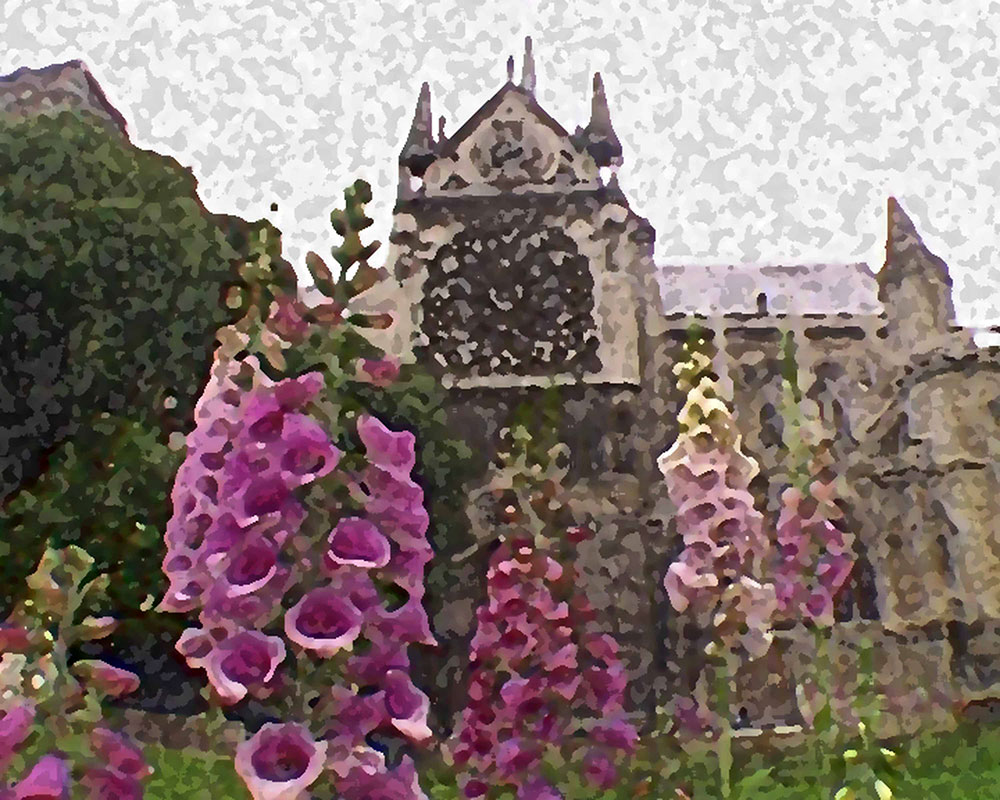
(541, 672)
(718, 575)
(815, 555)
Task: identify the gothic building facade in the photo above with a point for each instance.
(518, 264)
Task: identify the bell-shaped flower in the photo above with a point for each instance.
(280, 762)
(307, 452)
(382, 654)
(245, 662)
(393, 451)
(408, 623)
(324, 622)
(398, 783)
(251, 566)
(379, 371)
(406, 705)
(101, 783)
(357, 542)
(352, 718)
(617, 734)
(599, 770)
(47, 780)
(106, 678)
(15, 723)
(118, 753)
(539, 789)
(517, 756)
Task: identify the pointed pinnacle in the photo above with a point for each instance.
(419, 145)
(602, 141)
(528, 75)
(510, 69)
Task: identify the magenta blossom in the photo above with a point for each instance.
(109, 784)
(107, 679)
(280, 762)
(118, 753)
(323, 622)
(816, 557)
(381, 783)
(357, 542)
(380, 371)
(245, 662)
(47, 780)
(15, 725)
(406, 705)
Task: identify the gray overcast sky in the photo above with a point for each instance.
(757, 131)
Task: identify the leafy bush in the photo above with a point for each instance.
(112, 279)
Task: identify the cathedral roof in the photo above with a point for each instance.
(450, 147)
(793, 290)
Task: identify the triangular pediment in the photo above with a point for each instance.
(511, 144)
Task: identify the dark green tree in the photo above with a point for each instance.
(113, 282)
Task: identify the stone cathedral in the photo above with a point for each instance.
(519, 265)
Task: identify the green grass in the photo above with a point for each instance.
(960, 765)
(188, 775)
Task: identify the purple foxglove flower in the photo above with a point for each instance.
(251, 566)
(100, 783)
(599, 770)
(15, 724)
(380, 371)
(280, 762)
(352, 718)
(47, 780)
(383, 655)
(474, 789)
(324, 622)
(293, 394)
(263, 496)
(118, 753)
(408, 623)
(308, 452)
(196, 645)
(406, 705)
(107, 679)
(399, 783)
(245, 662)
(539, 789)
(394, 451)
(407, 568)
(343, 763)
(516, 756)
(245, 610)
(184, 593)
(615, 733)
(357, 542)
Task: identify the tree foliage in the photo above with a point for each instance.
(113, 279)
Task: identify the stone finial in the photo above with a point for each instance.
(510, 69)
(418, 152)
(905, 251)
(441, 136)
(528, 75)
(599, 135)
(915, 288)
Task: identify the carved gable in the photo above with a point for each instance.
(510, 145)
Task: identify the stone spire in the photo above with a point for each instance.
(599, 135)
(528, 75)
(418, 152)
(914, 286)
(510, 69)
